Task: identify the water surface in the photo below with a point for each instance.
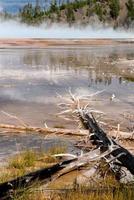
(31, 78)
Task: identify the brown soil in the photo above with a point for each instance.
(44, 43)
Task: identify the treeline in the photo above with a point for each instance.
(78, 10)
(67, 11)
(32, 14)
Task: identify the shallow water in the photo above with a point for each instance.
(14, 144)
(31, 78)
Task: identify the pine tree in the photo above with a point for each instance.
(114, 8)
(130, 8)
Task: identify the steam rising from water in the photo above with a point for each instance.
(13, 29)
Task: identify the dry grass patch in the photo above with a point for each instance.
(28, 161)
(57, 149)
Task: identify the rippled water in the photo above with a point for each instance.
(31, 78)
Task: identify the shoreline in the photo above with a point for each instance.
(49, 43)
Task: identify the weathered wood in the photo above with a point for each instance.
(27, 180)
(100, 139)
(45, 131)
(50, 173)
(83, 160)
(59, 131)
(106, 147)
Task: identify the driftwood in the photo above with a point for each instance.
(118, 158)
(122, 157)
(44, 131)
(59, 131)
(105, 147)
(7, 188)
(51, 173)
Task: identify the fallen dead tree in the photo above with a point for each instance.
(8, 128)
(45, 131)
(7, 189)
(25, 128)
(118, 159)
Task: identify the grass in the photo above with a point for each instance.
(57, 149)
(29, 161)
(107, 189)
(80, 193)
(124, 194)
(29, 194)
(26, 162)
(23, 160)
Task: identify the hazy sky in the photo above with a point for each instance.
(14, 5)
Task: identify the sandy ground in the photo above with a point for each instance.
(44, 43)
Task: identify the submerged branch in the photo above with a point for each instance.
(59, 131)
(45, 131)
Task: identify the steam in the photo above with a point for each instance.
(14, 29)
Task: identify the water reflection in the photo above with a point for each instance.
(31, 78)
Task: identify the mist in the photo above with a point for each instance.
(14, 29)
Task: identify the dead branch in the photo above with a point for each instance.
(101, 140)
(58, 131)
(105, 147)
(15, 117)
(45, 131)
(45, 175)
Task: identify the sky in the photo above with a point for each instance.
(13, 6)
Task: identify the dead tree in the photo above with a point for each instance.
(105, 148)
(8, 188)
(119, 157)
(122, 157)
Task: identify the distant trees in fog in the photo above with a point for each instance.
(71, 11)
